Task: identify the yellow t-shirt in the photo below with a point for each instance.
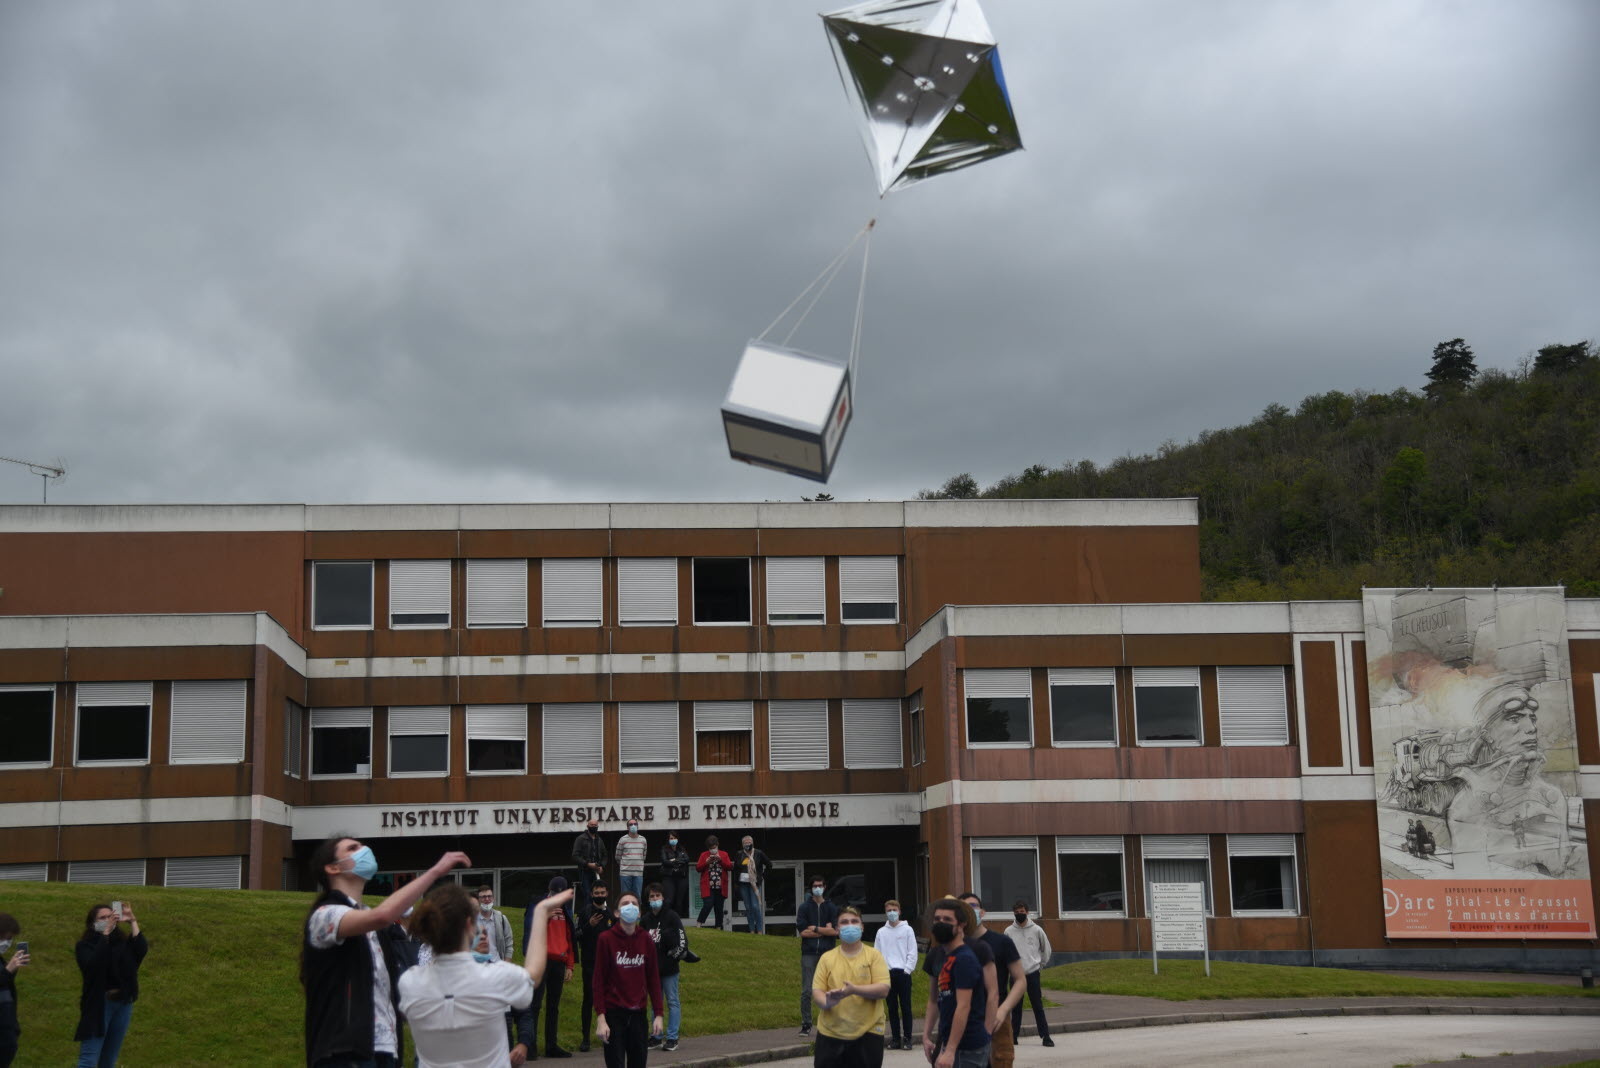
(854, 1016)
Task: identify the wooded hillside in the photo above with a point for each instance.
(1481, 478)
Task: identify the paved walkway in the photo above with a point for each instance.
(1099, 1012)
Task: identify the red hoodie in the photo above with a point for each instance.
(626, 970)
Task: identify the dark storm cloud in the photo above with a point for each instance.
(511, 251)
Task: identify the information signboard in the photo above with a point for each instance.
(1178, 921)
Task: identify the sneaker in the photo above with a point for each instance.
(805, 1030)
(1047, 1041)
(669, 1046)
(583, 1047)
(654, 1042)
(556, 1051)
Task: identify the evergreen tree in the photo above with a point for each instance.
(1558, 359)
(1453, 369)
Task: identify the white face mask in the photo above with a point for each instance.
(5, 944)
(103, 926)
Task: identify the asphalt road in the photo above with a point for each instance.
(1313, 1042)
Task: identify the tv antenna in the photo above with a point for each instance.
(45, 472)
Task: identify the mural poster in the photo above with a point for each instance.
(1480, 818)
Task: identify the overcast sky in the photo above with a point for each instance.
(416, 251)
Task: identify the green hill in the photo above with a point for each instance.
(1480, 479)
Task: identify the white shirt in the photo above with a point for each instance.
(457, 1008)
(325, 935)
(898, 944)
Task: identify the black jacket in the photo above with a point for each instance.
(666, 930)
(338, 985)
(674, 862)
(9, 1027)
(758, 869)
(107, 963)
(814, 914)
(592, 922)
(587, 850)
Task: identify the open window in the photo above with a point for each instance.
(497, 739)
(341, 743)
(1261, 875)
(721, 590)
(27, 722)
(723, 733)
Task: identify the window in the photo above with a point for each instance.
(341, 742)
(1083, 706)
(572, 593)
(213, 873)
(109, 872)
(497, 739)
(341, 595)
(869, 589)
(294, 732)
(27, 722)
(649, 735)
(999, 708)
(497, 593)
(419, 741)
(1255, 705)
(1176, 858)
(1090, 873)
(1005, 869)
(919, 731)
(419, 594)
(1261, 875)
(722, 590)
(1166, 705)
(797, 735)
(113, 722)
(208, 722)
(796, 589)
(722, 735)
(572, 740)
(26, 873)
(872, 733)
(647, 592)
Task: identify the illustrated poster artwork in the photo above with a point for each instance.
(1480, 817)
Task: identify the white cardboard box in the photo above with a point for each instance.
(787, 410)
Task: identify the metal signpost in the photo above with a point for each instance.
(1177, 921)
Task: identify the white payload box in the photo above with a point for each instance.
(787, 410)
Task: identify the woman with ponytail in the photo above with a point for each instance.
(455, 1005)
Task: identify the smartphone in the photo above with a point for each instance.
(116, 912)
(22, 947)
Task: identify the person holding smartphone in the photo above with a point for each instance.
(10, 1030)
(109, 959)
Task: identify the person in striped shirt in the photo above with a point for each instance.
(631, 849)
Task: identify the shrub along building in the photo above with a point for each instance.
(1022, 697)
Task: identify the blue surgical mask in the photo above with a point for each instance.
(893, 915)
(977, 914)
(481, 958)
(363, 863)
(655, 904)
(629, 913)
(850, 933)
(816, 891)
(672, 841)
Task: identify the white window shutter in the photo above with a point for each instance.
(872, 733)
(341, 717)
(213, 873)
(30, 873)
(649, 735)
(796, 589)
(724, 715)
(428, 719)
(1254, 705)
(208, 722)
(572, 592)
(1083, 676)
(1166, 676)
(497, 723)
(1260, 845)
(572, 739)
(91, 694)
(112, 872)
(647, 591)
(797, 735)
(1089, 843)
(999, 682)
(870, 580)
(1176, 846)
(497, 593)
(419, 588)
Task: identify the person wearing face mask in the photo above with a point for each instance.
(953, 1032)
(1033, 945)
(350, 956)
(753, 865)
(631, 851)
(625, 977)
(10, 1030)
(594, 920)
(1005, 982)
(716, 869)
(898, 944)
(590, 853)
(814, 922)
(109, 960)
(672, 946)
(560, 955)
(495, 922)
(849, 988)
(675, 874)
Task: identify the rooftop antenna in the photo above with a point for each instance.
(44, 471)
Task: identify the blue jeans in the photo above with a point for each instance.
(752, 908)
(669, 991)
(632, 884)
(102, 1052)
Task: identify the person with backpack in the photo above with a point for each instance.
(561, 954)
(672, 948)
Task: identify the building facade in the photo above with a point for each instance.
(1023, 697)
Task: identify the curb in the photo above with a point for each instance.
(1113, 1023)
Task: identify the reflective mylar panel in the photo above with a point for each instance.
(926, 78)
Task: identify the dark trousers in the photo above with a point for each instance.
(863, 1052)
(712, 901)
(8, 1052)
(548, 992)
(900, 1019)
(675, 889)
(588, 995)
(627, 1046)
(1035, 998)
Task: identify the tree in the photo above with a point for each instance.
(962, 487)
(1453, 369)
(824, 497)
(1559, 359)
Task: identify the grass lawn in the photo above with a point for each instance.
(221, 984)
(1185, 980)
